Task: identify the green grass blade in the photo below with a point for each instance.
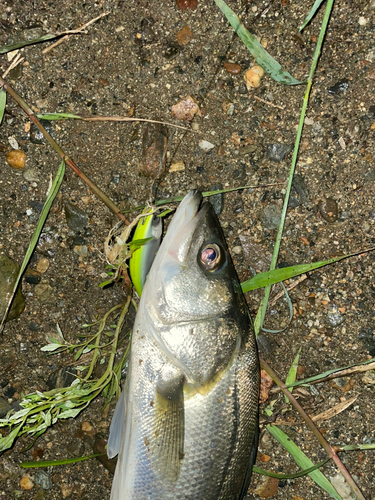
(3, 100)
(292, 372)
(52, 463)
(312, 13)
(34, 239)
(205, 194)
(289, 476)
(263, 306)
(262, 57)
(58, 116)
(327, 373)
(302, 460)
(275, 276)
(24, 43)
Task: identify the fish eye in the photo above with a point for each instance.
(211, 257)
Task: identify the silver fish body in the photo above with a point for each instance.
(185, 427)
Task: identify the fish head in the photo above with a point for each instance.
(192, 277)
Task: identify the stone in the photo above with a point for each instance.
(277, 152)
(36, 136)
(272, 217)
(43, 291)
(253, 76)
(9, 270)
(328, 209)
(16, 159)
(75, 217)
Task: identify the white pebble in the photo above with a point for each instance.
(362, 21)
(205, 145)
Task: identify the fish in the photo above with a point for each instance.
(186, 424)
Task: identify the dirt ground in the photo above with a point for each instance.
(132, 61)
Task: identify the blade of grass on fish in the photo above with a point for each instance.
(291, 377)
(34, 239)
(335, 372)
(302, 460)
(3, 100)
(262, 57)
(53, 463)
(288, 476)
(312, 13)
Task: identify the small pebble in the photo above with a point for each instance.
(335, 318)
(30, 175)
(43, 291)
(328, 209)
(369, 377)
(87, 427)
(13, 142)
(36, 136)
(16, 159)
(206, 146)
(299, 192)
(339, 87)
(33, 326)
(185, 109)
(272, 217)
(42, 265)
(217, 200)
(277, 152)
(178, 166)
(268, 487)
(43, 479)
(81, 250)
(253, 76)
(232, 68)
(32, 277)
(26, 483)
(237, 250)
(187, 4)
(362, 21)
(75, 217)
(184, 36)
(16, 73)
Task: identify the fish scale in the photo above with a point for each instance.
(186, 424)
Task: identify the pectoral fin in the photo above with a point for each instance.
(117, 426)
(168, 445)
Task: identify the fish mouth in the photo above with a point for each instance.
(181, 230)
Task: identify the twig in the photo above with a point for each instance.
(77, 31)
(97, 191)
(268, 103)
(330, 451)
(130, 119)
